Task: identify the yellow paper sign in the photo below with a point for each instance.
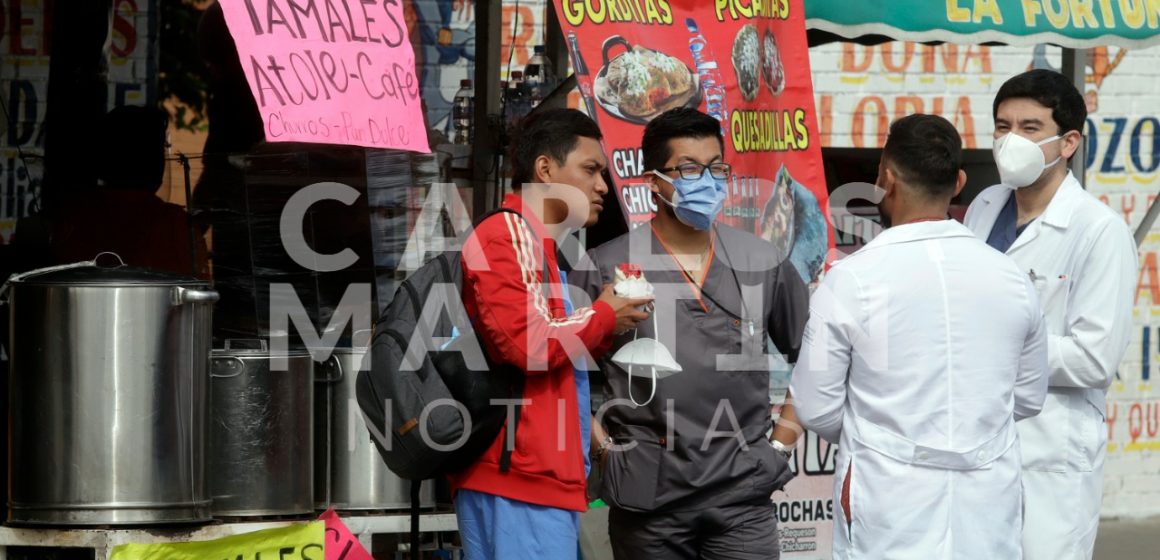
(302, 541)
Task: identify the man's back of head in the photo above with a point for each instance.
(133, 155)
(920, 170)
(926, 153)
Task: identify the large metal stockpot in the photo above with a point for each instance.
(261, 442)
(108, 387)
(349, 474)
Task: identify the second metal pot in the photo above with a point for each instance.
(261, 434)
(349, 474)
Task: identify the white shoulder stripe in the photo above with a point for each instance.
(524, 245)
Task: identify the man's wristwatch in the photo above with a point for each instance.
(781, 448)
(598, 453)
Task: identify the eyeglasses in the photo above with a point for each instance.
(694, 171)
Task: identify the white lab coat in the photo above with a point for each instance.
(1085, 264)
(921, 351)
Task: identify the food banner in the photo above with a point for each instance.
(301, 541)
(335, 72)
(746, 64)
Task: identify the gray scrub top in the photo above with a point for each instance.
(701, 441)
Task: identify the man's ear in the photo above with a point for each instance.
(889, 181)
(653, 182)
(542, 169)
(960, 182)
(1070, 143)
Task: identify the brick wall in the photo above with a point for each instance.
(861, 89)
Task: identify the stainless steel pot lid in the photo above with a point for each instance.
(106, 270)
(117, 276)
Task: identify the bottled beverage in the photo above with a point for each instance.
(539, 76)
(578, 65)
(580, 68)
(709, 75)
(516, 98)
(463, 113)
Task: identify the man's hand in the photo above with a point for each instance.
(628, 310)
(598, 437)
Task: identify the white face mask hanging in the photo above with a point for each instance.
(1020, 161)
(644, 352)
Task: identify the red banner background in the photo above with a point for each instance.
(749, 67)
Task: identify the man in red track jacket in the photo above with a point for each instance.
(532, 509)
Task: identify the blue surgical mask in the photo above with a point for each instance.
(696, 202)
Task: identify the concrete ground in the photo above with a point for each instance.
(1128, 540)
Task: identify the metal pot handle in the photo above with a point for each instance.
(262, 347)
(241, 367)
(182, 296)
(354, 337)
(120, 261)
(332, 364)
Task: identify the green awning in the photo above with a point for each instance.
(1069, 23)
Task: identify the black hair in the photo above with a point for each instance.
(554, 133)
(927, 152)
(1050, 89)
(681, 122)
(133, 149)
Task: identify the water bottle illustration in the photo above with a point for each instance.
(709, 76)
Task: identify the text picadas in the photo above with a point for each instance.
(749, 9)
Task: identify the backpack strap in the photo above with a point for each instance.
(505, 456)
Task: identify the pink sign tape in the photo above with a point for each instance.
(341, 544)
(330, 71)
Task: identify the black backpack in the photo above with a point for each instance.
(414, 376)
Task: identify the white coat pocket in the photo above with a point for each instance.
(1053, 292)
(1046, 440)
(1089, 432)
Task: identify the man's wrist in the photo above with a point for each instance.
(782, 448)
(603, 448)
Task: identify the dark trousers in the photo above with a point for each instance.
(736, 532)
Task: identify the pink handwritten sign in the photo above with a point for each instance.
(341, 544)
(330, 71)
